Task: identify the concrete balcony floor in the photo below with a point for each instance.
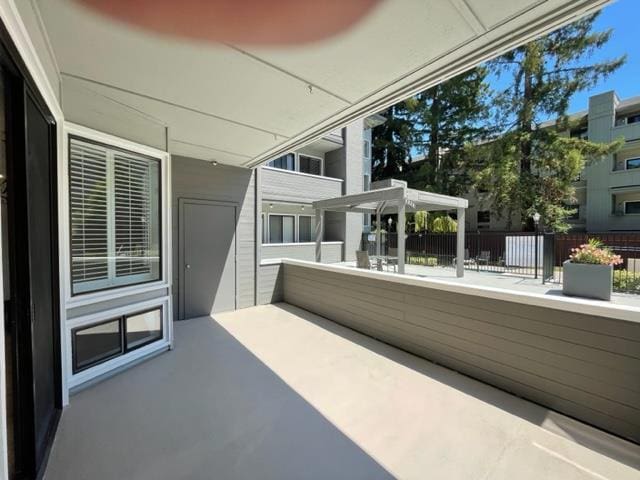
(274, 392)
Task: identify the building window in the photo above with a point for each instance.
(576, 212)
(367, 149)
(142, 329)
(631, 163)
(366, 182)
(281, 228)
(285, 162)
(97, 343)
(484, 216)
(305, 228)
(115, 217)
(635, 118)
(632, 207)
(311, 165)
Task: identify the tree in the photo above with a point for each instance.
(392, 141)
(446, 118)
(531, 167)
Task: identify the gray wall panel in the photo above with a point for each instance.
(582, 365)
(271, 284)
(197, 179)
(115, 303)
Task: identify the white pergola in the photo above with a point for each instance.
(394, 199)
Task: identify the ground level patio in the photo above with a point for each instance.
(505, 280)
(275, 392)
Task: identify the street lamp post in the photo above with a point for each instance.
(536, 221)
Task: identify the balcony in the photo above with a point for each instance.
(286, 186)
(276, 392)
(279, 392)
(331, 251)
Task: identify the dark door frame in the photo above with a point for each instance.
(19, 85)
(182, 201)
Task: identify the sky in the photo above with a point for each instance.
(623, 17)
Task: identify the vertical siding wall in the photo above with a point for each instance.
(585, 366)
(197, 179)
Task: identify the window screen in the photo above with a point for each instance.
(310, 165)
(115, 217)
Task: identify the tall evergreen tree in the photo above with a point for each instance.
(446, 118)
(531, 168)
(392, 141)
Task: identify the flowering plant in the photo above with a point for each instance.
(594, 252)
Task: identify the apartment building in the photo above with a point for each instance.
(607, 191)
(337, 164)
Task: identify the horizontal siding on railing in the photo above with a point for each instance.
(331, 252)
(285, 186)
(582, 365)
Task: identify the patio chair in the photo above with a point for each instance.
(483, 258)
(362, 259)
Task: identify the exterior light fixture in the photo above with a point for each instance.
(214, 163)
(536, 218)
(271, 205)
(302, 208)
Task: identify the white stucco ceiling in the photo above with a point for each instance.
(243, 105)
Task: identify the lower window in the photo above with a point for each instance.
(97, 343)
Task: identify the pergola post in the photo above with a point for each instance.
(319, 234)
(378, 233)
(460, 244)
(401, 239)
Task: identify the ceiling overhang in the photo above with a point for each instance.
(244, 105)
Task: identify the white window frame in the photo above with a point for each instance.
(296, 226)
(296, 164)
(626, 163)
(86, 298)
(624, 207)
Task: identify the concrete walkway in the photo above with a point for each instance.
(507, 281)
(275, 392)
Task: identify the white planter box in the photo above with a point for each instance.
(587, 280)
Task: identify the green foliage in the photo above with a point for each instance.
(531, 166)
(422, 260)
(420, 220)
(439, 223)
(626, 281)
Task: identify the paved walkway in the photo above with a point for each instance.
(275, 392)
(502, 280)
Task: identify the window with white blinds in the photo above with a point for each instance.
(115, 217)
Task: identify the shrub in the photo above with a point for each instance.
(626, 281)
(595, 253)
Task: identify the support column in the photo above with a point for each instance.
(319, 234)
(378, 233)
(401, 239)
(460, 244)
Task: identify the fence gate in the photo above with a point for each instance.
(548, 256)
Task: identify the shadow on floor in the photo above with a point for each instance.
(208, 409)
(585, 435)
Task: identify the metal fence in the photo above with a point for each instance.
(517, 253)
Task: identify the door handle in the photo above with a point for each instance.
(187, 266)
